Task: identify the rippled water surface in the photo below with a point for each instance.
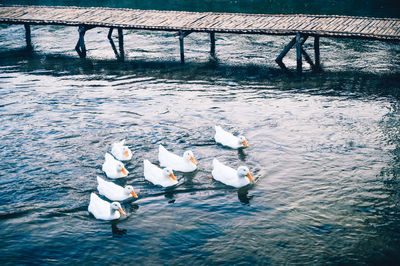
(324, 149)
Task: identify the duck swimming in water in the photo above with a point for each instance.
(227, 139)
(104, 210)
(186, 163)
(163, 177)
(113, 168)
(231, 177)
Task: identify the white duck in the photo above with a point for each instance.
(187, 163)
(231, 177)
(164, 177)
(104, 210)
(226, 138)
(114, 192)
(113, 168)
(120, 151)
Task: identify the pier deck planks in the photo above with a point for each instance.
(316, 25)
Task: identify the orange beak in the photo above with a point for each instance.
(124, 171)
(126, 153)
(193, 160)
(122, 211)
(250, 177)
(172, 176)
(245, 143)
(134, 194)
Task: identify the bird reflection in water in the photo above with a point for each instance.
(169, 194)
(242, 155)
(243, 196)
(117, 232)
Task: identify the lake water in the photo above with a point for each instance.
(324, 148)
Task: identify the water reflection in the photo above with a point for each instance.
(243, 195)
(116, 231)
(169, 194)
(328, 83)
(130, 209)
(242, 155)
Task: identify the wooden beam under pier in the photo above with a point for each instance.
(121, 44)
(182, 34)
(285, 50)
(298, 53)
(109, 37)
(212, 45)
(182, 52)
(299, 40)
(80, 45)
(333, 26)
(316, 54)
(28, 37)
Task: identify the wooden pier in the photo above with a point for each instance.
(301, 27)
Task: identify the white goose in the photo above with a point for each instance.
(114, 192)
(104, 210)
(187, 163)
(120, 151)
(164, 177)
(231, 177)
(113, 168)
(226, 138)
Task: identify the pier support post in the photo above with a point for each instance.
(299, 40)
(80, 45)
(121, 44)
(109, 36)
(181, 46)
(308, 58)
(212, 45)
(121, 55)
(304, 53)
(28, 36)
(298, 53)
(316, 54)
(182, 34)
(285, 50)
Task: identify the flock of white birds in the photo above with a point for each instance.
(114, 168)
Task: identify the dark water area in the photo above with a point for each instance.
(324, 148)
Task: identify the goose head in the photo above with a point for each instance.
(121, 169)
(115, 206)
(167, 172)
(129, 190)
(188, 155)
(243, 141)
(125, 151)
(243, 172)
